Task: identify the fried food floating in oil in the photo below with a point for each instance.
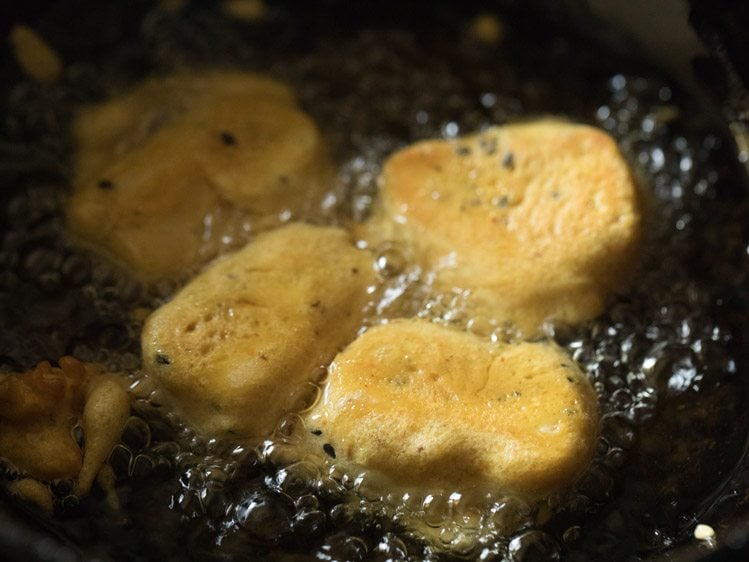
(430, 407)
(238, 345)
(164, 172)
(541, 221)
(36, 58)
(38, 411)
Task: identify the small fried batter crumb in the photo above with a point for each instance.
(487, 28)
(33, 492)
(35, 57)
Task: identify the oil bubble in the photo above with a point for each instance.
(142, 467)
(391, 547)
(296, 478)
(390, 261)
(533, 546)
(308, 523)
(120, 459)
(618, 430)
(436, 509)
(267, 517)
(508, 515)
(136, 435)
(340, 548)
(457, 540)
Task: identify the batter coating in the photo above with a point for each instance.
(541, 221)
(164, 172)
(239, 344)
(430, 407)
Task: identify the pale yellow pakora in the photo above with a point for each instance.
(238, 346)
(430, 408)
(165, 174)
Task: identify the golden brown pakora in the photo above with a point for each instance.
(539, 220)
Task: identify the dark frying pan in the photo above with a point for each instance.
(700, 46)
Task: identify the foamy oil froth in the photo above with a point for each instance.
(300, 489)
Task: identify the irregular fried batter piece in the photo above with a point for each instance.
(540, 220)
(430, 407)
(237, 346)
(38, 411)
(166, 171)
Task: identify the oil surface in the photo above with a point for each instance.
(666, 360)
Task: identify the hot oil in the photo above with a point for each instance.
(664, 359)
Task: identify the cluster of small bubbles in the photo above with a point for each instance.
(66, 502)
(666, 345)
(201, 491)
(401, 295)
(448, 521)
(445, 308)
(622, 114)
(358, 176)
(644, 116)
(408, 292)
(139, 455)
(358, 504)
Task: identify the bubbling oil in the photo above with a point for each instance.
(664, 359)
